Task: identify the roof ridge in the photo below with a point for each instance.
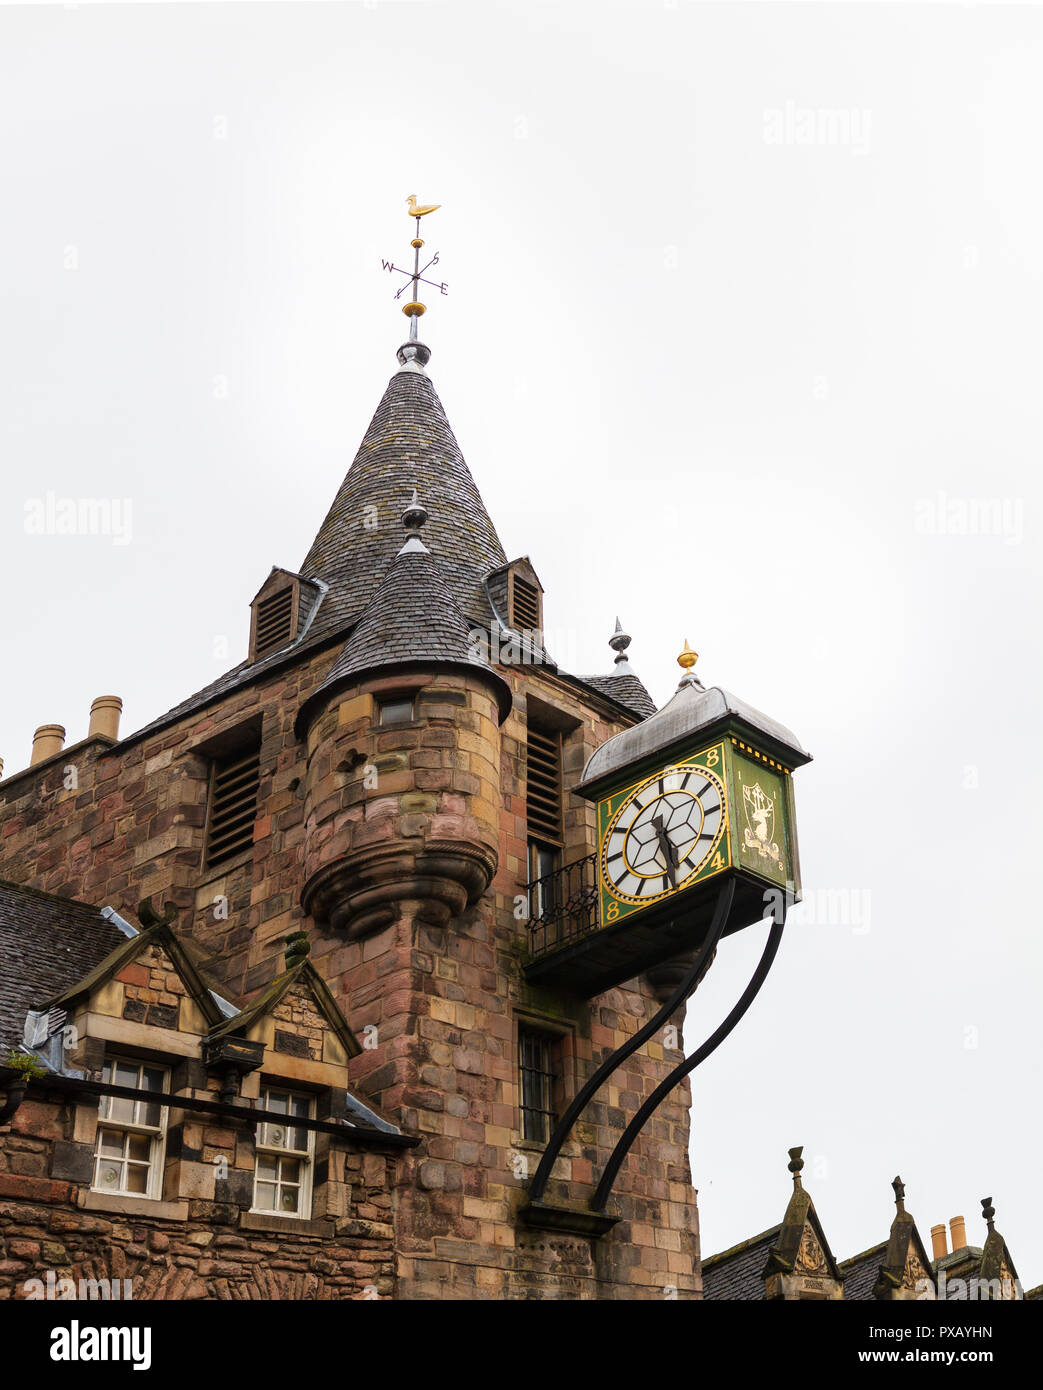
(863, 1254)
(742, 1245)
(51, 897)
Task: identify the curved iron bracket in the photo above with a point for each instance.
(564, 1125)
(689, 1064)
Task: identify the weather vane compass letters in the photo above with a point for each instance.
(416, 276)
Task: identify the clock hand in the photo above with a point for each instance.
(669, 852)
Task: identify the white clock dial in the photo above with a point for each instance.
(663, 833)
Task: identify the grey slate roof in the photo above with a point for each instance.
(862, 1271)
(411, 619)
(628, 690)
(739, 1273)
(47, 944)
(409, 444)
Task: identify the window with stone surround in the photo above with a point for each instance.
(131, 1138)
(284, 1156)
(539, 1074)
(395, 709)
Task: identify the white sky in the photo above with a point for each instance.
(743, 330)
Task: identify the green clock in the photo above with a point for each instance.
(690, 818)
(697, 794)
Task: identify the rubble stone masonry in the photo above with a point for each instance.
(431, 977)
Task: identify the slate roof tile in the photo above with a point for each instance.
(47, 944)
(739, 1273)
(628, 690)
(861, 1273)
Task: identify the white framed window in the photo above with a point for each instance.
(131, 1141)
(283, 1166)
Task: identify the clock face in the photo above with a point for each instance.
(664, 832)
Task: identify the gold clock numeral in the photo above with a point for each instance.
(717, 862)
(713, 757)
(612, 912)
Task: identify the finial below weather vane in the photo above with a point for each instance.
(415, 277)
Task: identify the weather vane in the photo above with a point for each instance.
(416, 277)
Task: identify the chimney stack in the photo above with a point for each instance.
(105, 717)
(938, 1234)
(48, 741)
(959, 1232)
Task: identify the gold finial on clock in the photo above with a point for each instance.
(688, 658)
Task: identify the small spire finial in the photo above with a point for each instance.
(687, 661)
(619, 641)
(988, 1211)
(688, 658)
(796, 1163)
(899, 1187)
(413, 518)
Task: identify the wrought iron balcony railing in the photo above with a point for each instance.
(563, 906)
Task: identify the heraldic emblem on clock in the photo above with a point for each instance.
(760, 823)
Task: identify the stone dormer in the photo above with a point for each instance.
(897, 1270)
(800, 1264)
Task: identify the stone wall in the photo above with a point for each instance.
(444, 998)
(215, 1250)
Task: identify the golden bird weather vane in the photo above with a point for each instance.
(416, 276)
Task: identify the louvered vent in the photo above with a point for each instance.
(233, 806)
(543, 787)
(274, 618)
(526, 614)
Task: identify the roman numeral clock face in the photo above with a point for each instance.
(663, 834)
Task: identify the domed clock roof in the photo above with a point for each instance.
(692, 711)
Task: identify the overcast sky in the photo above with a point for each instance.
(742, 343)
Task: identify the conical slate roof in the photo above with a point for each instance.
(409, 443)
(409, 438)
(411, 620)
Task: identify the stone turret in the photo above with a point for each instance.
(403, 750)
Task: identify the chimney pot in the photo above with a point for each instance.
(939, 1247)
(105, 717)
(48, 741)
(958, 1229)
